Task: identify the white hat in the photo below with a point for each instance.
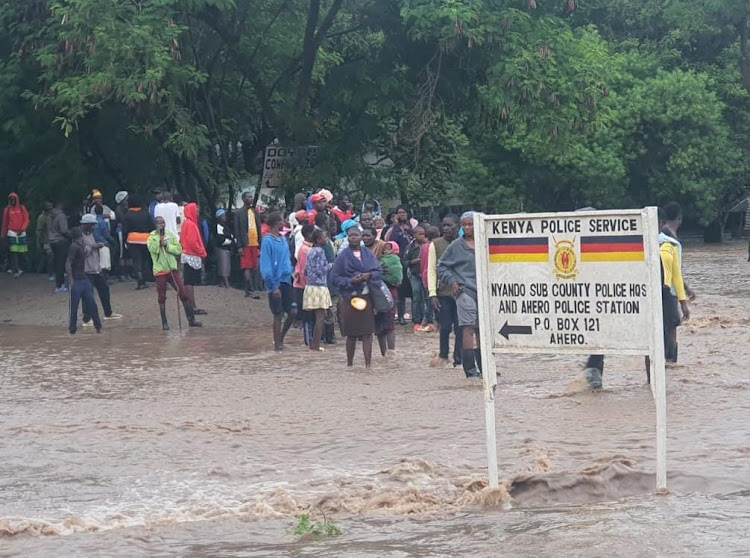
(121, 195)
(88, 219)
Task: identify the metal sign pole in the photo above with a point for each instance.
(658, 365)
(486, 335)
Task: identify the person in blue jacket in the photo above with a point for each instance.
(276, 269)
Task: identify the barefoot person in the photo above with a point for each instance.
(317, 297)
(352, 273)
(458, 269)
(276, 269)
(165, 248)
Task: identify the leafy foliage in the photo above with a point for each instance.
(314, 529)
(508, 104)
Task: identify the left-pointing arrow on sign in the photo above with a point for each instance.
(508, 330)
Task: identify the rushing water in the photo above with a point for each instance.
(200, 444)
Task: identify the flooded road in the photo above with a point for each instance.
(201, 443)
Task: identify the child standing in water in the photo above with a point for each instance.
(393, 275)
(317, 297)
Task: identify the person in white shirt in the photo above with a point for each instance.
(170, 212)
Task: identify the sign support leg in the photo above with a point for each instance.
(658, 375)
(489, 418)
(658, 364)
(489, 372)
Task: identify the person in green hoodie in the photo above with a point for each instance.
(393, 276)
(165, 248)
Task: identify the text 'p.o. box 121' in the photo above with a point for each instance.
(579, 282)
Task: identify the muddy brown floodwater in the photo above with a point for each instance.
(201, 443)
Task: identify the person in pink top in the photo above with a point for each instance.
(432, 233)
(300, 282)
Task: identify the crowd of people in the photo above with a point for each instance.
(319, 264)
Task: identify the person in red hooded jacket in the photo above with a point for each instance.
(15, 224)
(193, 252)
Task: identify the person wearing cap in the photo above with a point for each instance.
(247, 234)
(319, 205)
(340, 242)
(169, 211)
(92, 268)
(225, 244)
(81, 289)
(97, 201)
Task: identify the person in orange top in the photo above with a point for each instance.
(247, 232)
(15, 225)
(193, 252)
(136, 227)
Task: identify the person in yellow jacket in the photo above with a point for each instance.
(670, 251)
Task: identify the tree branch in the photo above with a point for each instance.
(309, 52)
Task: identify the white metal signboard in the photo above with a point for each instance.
(579, 283)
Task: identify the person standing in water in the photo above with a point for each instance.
(393, 276)
(317, 297)
(441, 294)
(300, 282)
(193, 252)
(165, 248)
(81, 289)
(354, 270)
(96, 277)
(670, 250)
(402, 234)
(421, 309)
(276, 270)
(458, 268)
(247, 233)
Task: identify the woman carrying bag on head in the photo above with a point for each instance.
(355, 272)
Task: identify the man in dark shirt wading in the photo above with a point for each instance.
(80, 286)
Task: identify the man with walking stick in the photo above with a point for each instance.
(165, 248)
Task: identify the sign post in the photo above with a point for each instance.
(571, 283)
